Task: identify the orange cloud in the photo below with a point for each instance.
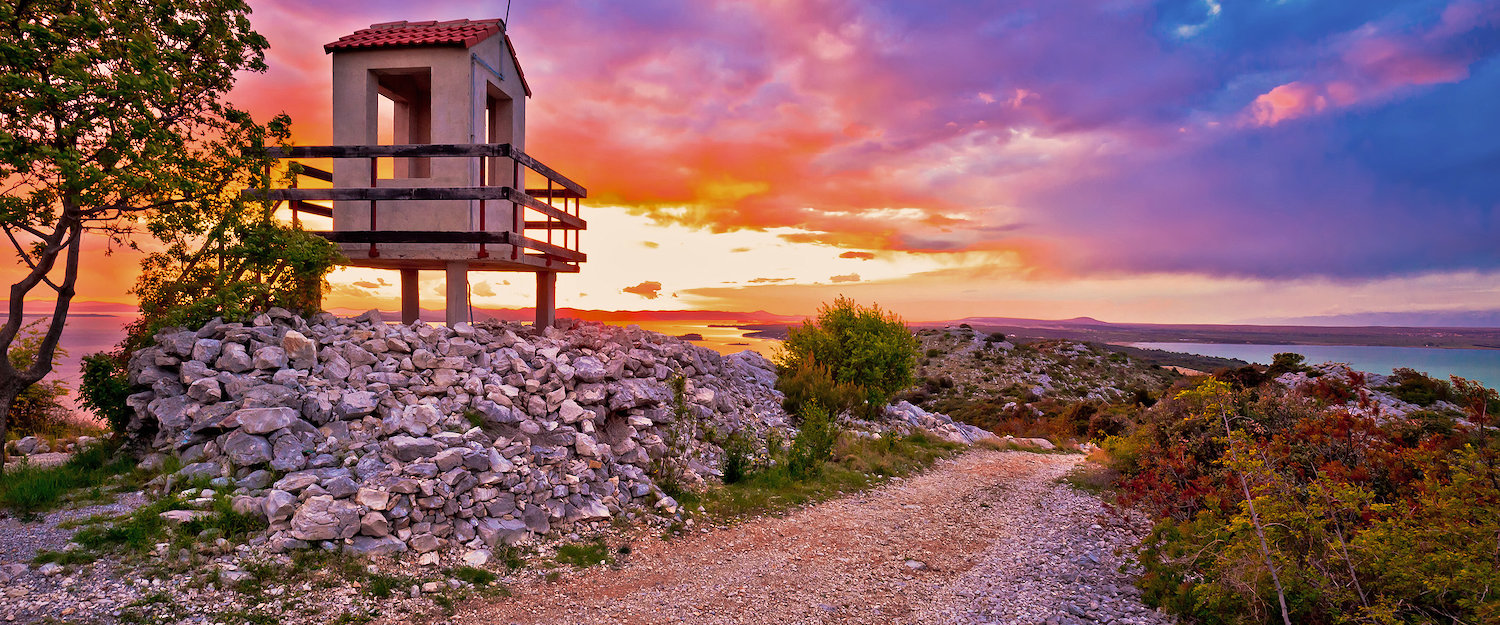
(648, 289)
(858, 255)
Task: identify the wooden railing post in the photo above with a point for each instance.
(374, 225)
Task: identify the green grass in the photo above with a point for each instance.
(230, 524)
(858, 463)
(473, 575)
(30, 491)
(138, 532)
(65, 558)
(584, 555)
(382, 586)
(352, 618)
(1090, 478)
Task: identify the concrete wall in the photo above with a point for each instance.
(460, 89)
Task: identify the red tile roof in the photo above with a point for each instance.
(405, 34)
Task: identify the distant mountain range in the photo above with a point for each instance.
(770, 325)
(1089, 329)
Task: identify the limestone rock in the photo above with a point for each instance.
(325, 518)
(301, 352)
(262, 420)
(278, 505)
(247, 449)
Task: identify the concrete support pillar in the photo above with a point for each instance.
(411, 304)
(546, 298)
(458, 292)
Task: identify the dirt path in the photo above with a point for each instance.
(987, 537)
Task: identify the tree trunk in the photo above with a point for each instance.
(8, 396)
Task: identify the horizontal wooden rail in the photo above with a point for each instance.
(411, 150)
(414, 236)
(553, 193)
(546, 171)
(419, 193)
(546, 209)
(550, 225)
(548, 248)
(422, 150)
(366, 237)
(382, 193)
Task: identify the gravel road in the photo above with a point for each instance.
(988, 537)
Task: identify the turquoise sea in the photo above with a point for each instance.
(1482, 365)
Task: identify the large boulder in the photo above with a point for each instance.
(233, 358)
(278, 505)
(246, 449)
(637, 393)
(301, 352)
(355, 405)
(262, 420)
(325, 518)
(407, 449)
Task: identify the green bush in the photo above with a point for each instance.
(104, 388)
(813, 444)
(867, 347)
(1286, 362)
(810, 383)
(737, 451)
(1415, 387)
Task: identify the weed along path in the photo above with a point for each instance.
(987, 537)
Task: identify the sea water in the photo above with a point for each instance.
(1481, 365)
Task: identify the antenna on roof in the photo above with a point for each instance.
(507, 13)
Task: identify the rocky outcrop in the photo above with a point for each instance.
(386, 438)
(914, 417)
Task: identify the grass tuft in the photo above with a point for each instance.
(584, 555)
(473, 575)
(858, 463)
(29, 491)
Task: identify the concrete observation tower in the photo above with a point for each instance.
(428, 169)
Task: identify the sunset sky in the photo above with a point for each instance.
(1174, 161)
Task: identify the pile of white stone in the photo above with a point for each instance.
(914, 417)
(384, 438)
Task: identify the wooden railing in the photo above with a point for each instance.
(550, 216)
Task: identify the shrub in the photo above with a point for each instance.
(36, 411)
(1415, 387)
(1248, 376)
(813, 444)
(737, 451)
(1286, 362)
(104, 389)
(863, 346)
(1363, 522)
(810, 382)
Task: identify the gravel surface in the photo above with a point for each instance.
(21, 541)
(989, 537)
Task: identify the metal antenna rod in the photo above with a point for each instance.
(507, 13)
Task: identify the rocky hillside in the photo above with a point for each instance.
(984, 380)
